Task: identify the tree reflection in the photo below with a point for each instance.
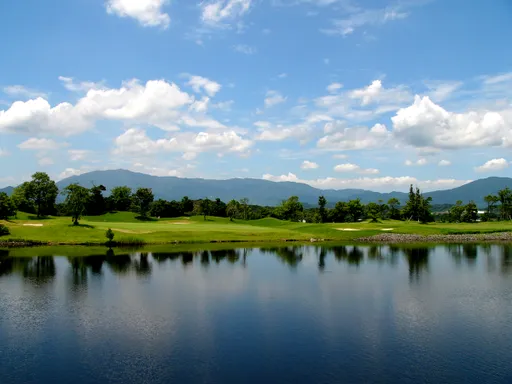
(290, 256)
(142, 266)
(417, 259)
(506, 259)
(205, 259)
(470, 252)
(321, 259)
(118, 264)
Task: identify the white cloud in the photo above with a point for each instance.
(444, 163)
(383, 184)
(3, 152)
(82, 86)
(220, 13)
(136, 142)
(301, 131)
(342, 138)
(199, 83)
(36, 144)
(419, 162)
(340, 156)
(21, 91)
(148, 13)
(440, 91)
(376, 93)
(425, 124)
(308, 165)
(493, 165)
(502, 78)
(156, 103)
(349, 167)
(43, 161)
(245, 49)
(274, 98)
(334, 87)
(78, 154)
(358, 19)
(282, 75)
(68, 172)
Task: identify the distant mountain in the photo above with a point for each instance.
(7, 190)
(264, 192)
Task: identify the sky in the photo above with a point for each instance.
(373, 94)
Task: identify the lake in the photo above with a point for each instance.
(298, 314)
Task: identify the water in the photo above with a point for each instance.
(285, 315)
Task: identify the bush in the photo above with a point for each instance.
(109, 235)
(4, 231)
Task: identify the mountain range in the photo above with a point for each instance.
(270, 193)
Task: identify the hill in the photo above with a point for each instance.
(264, 192)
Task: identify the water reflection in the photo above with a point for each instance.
(42, 269)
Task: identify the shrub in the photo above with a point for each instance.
(4, 231)
(109, 235)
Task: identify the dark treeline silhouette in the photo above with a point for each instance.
(39, 196)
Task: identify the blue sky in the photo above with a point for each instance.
(373, 94)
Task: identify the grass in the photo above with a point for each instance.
(129, 230)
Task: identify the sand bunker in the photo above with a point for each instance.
(387, 229)
(347, 229)
(179, 223)
(130, 231)
(32, 225)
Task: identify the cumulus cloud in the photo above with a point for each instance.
(3, 152)
(199, 84)
(418, 162)
(444, 163)
(301, 131)
(274, 98)
(426, 124)
(156, 103)
(136, 142)
(36, 144)
(149, 13)
(493, 165)
(383, 184)
(82, 86)
(376, 93)
(68, 172)
(219, 13)
(354, 138)
(308, 165)
(354, 168)
(334, 87)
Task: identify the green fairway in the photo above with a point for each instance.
(129, 230)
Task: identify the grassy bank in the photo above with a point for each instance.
(131, 231)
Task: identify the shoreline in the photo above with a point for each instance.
(383, 238)
(400, 238)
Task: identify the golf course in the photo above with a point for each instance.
(27, 229)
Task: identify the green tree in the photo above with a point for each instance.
(291, 209)
(470, 214)
(233, 209)
(76, 201)
(19, 197)
(505, 197)
(355, 209)
(425, 210)
(456, 212)
(411, 207)
(121, 198)
(109, 234)
(187, 205)
(492, 202)
(142, 200)
(394, 210)
(244, 207)
(373, 211)
(418, 208)
(7, 206)
(218, 208)
(339, 213)
(96, 204)
(204, 207)
(42, 192)
(322, 202)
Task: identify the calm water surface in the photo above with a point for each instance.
(283, 315)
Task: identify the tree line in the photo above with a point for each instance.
(39, 195)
